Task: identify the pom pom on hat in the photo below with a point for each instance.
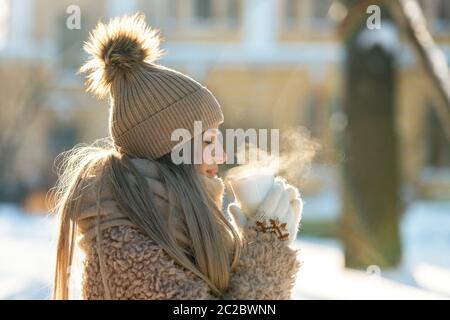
(120, 46)
(147, 101)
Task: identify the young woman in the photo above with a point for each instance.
(151, 229)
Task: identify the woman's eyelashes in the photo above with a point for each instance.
(209, 140)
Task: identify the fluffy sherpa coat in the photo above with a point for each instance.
(136, 267)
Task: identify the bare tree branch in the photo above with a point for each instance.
(409, 15)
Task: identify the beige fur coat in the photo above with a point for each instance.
(138, 268)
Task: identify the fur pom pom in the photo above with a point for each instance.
(120, 46)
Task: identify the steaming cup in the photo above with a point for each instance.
(250, 191)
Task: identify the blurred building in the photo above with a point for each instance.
(271, 64)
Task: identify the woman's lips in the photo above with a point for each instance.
(212, 172)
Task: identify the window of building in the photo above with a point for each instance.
(306, 15)
(442, 21)
(202, 9)
(319, 14)
(216, 13)
(437, 14)
(291, 11)
(193, 16)
(232, 12)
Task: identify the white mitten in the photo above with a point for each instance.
(279, 213)
(296, 209)
(239, 217)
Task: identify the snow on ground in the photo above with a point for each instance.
(322, 276)
(423, 274)
(27, 257)
(26, 254)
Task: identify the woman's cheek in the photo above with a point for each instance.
(202, 169)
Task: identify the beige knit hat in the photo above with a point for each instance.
(148, 101)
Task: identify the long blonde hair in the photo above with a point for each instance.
(210, 233)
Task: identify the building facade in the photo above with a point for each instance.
(271, 64)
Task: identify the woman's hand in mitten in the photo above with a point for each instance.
(239, 217)
(279, 213)
(295, 211)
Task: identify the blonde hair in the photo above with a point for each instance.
(210, 233)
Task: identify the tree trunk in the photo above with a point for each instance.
(371, 206)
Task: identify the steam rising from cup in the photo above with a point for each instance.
(251, 182)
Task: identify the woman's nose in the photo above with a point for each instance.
(220, 155)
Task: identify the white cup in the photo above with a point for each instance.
(250, 191)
